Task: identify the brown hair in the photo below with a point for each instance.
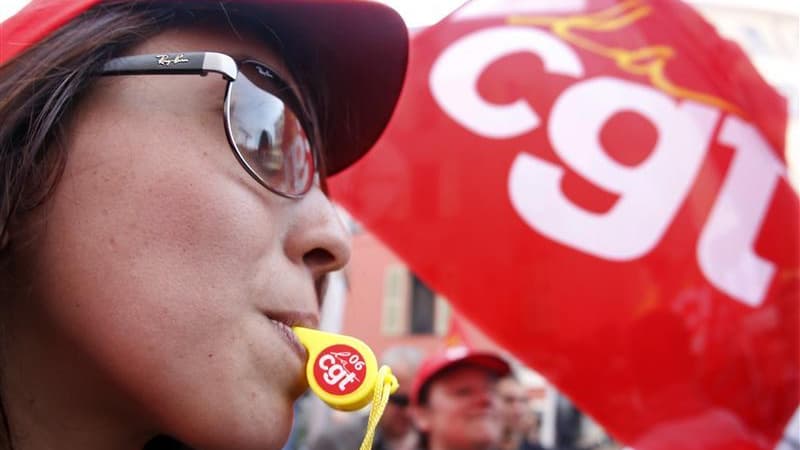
(40, 88)
(37, 92)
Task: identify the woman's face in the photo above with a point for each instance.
(461, 411)
(161, 263)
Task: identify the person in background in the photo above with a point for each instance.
(455, 400)
(531, 430)
(513, 406)
(164, 217)
(395, 430)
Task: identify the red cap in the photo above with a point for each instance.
(359, 47)
(453, 356)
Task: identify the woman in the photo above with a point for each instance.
(161, 230)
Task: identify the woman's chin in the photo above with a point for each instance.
(256, 423)
(272, 432)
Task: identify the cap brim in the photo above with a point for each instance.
(490, 362)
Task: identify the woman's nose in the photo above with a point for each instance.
(316, 236)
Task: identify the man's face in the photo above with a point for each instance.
(513, 402)
(461, 412)
(396, 421)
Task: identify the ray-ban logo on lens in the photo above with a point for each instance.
(167, 60)
(263, 71)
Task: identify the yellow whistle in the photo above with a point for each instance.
(341, 370)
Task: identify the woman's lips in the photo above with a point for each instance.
(291, 338)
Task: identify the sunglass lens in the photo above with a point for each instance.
(268, 135)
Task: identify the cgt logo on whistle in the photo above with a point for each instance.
(339, 369)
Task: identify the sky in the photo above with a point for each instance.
(9, 7)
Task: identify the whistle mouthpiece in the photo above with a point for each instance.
(341, 370)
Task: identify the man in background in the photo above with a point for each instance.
(513, 405)
(455, 403)
(520, 421)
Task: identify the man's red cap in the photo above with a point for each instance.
(359, 48)
(456, 356)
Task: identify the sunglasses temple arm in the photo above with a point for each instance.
(187, 63)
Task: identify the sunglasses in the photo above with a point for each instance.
(400, 400)
(266, 126)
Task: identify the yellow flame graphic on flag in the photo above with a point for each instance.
(649, 61)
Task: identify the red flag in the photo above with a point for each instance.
(599, 185)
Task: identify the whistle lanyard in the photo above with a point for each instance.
(384, 386)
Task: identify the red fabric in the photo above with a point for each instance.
(601, 188)
(38, 19)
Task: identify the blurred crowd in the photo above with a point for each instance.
(456, 398)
